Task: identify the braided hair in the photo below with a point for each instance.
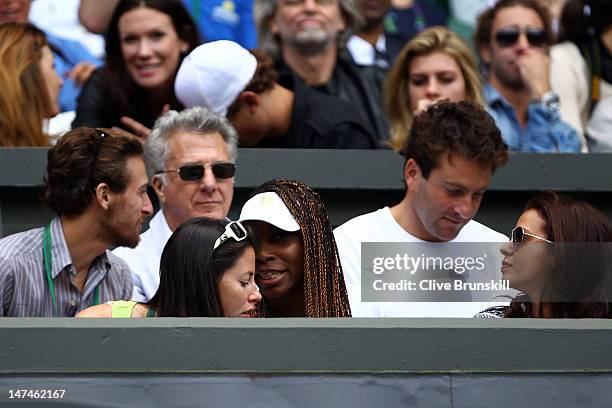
(325, 294)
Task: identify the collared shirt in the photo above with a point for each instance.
(544, 132)
(144, 259)
(364, 53)
(24, 290)
(383, 54)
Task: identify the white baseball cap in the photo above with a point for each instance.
(213, 75)
(270, 208)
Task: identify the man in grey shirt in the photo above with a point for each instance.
(97, 184)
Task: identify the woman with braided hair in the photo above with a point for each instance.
(297, 265)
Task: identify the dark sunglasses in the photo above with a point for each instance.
(507, 37)
(518, 236)
(193, 172)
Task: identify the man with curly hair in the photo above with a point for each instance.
(450, 157)
(96, 183)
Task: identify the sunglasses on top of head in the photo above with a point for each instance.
(233, 230)
(518, 236)
(193, 172)
(507, 37)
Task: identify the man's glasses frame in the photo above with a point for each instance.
(234, 230)
(195, 171)
(507, 37)
(518, 236)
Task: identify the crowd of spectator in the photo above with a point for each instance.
(183, 84)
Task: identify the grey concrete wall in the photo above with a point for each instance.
(355, 391)
(351, 182)
(37, 345)
(309, 362)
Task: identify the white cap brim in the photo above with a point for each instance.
(269, 207)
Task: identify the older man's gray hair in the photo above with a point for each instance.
(193, 120)
(264, 13)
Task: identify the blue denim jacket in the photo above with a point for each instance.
(544, 133)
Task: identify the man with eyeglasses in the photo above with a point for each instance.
(450, 156)
(96, 183)
(513, 40)
(191, 158)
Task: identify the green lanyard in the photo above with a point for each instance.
(48, 260)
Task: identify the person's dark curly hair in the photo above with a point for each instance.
(462, 128)
(81, 160)
(264, 79)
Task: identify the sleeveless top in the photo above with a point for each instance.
(124, 308)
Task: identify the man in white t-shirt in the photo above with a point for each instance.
(451, 154)
(190, 159)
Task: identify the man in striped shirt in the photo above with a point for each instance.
(97, 184)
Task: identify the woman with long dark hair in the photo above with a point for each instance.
(207, 269)
(298, 269)
(145, 44)
(559, 259)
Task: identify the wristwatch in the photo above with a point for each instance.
(550, 100)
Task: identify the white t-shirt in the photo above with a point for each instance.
(144, 259)
(380, 226)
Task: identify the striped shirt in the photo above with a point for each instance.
(24, 290)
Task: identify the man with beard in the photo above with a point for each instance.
(307, 38)
(190, 157)
(513, 40)
(451, 154)
(97, 184)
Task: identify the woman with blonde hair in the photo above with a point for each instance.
(436, 64)
(30, 86)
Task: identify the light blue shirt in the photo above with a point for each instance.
(67, 54)
(544, 132)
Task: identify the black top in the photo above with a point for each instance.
(361, 86)
(321, 121)
(95, 106)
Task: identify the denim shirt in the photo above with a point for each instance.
(544, 133)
